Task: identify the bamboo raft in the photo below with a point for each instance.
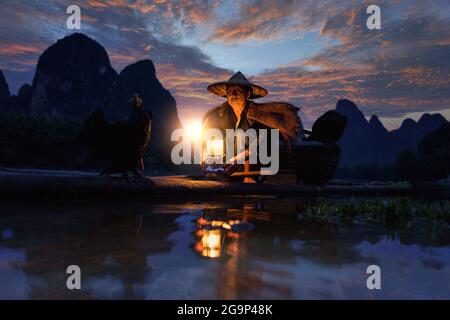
(48, 184)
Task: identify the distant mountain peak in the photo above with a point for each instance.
(78, 37)
(435, 118)
(5, 94)
(72, 77)
(355, 118)
(140, 77)
(24, 89)
(369, 142)
(142, 66)
(76, 47)
(346, 106)
(408, 123)
(376, 124)
(374, 120)
(21, 102)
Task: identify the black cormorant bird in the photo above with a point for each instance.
(117, 147)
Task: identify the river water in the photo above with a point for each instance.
(229, 248)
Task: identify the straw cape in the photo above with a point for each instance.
(276, 115)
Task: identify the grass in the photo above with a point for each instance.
(393, 212)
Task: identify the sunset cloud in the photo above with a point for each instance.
(402, 68)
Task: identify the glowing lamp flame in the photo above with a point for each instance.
(193, 129)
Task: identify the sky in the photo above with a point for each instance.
(309, 53)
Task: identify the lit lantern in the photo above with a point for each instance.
(214, 148)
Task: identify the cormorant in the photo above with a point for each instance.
(118, 147)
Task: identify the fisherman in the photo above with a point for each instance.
(240, 112)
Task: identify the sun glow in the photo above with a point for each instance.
(193, 129)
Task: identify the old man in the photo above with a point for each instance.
(241, 112)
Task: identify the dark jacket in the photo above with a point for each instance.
(275, 115)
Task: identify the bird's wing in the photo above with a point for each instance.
(92, 144)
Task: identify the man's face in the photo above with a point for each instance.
(135, 102)
(237, 95)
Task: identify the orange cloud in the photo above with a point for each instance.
(18, 49)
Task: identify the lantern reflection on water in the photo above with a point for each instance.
(211, 235)
(210, 243)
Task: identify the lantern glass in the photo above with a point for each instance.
(214, 147)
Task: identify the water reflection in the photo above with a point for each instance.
(214, 232)
(234, 248)
(210, 243)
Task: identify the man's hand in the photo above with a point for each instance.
(230, 168)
